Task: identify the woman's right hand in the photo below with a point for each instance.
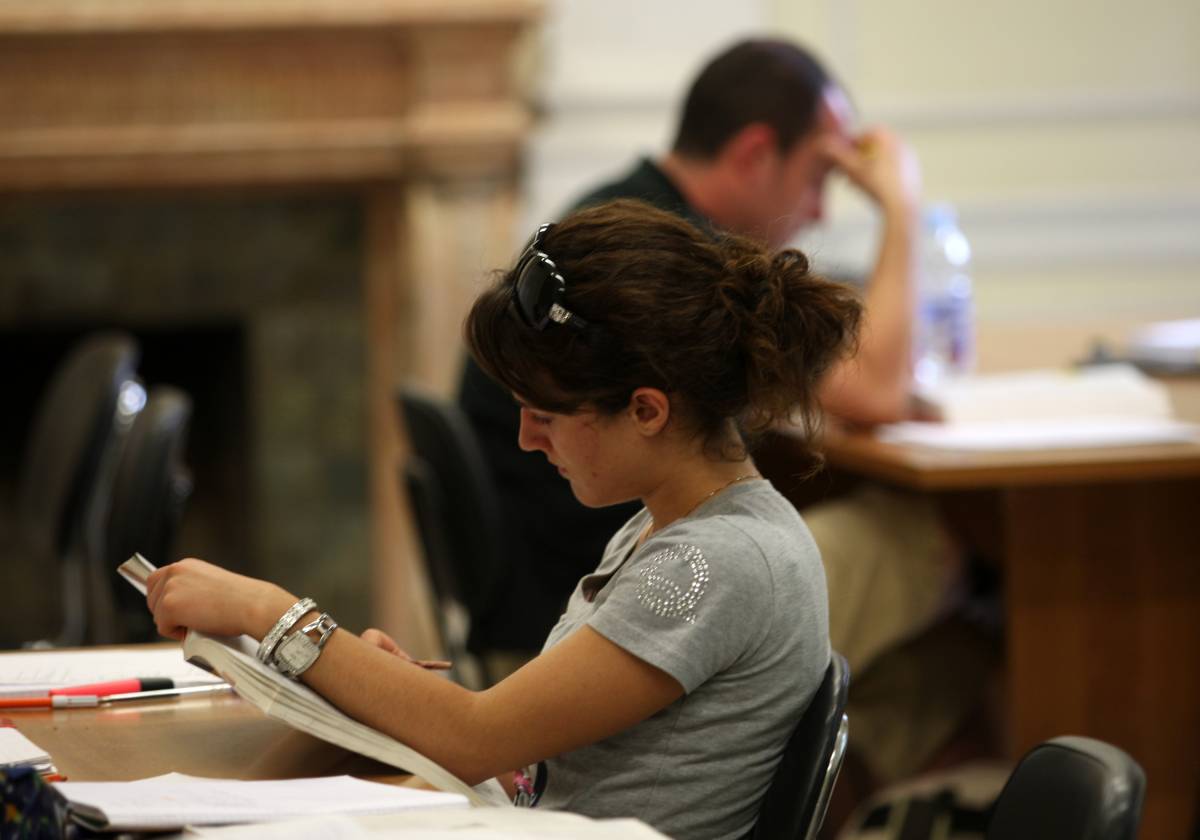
(193, 594)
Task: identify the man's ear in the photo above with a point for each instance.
(752, 146)
(650, 409)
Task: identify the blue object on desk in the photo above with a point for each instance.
(30, 807)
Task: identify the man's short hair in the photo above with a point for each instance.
(762, 80)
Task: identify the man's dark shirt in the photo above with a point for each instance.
(551, 540)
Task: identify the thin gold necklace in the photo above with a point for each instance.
(692, 509)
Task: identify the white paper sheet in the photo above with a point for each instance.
(1049, 395)
(16, 749)
(35, 672)
(475, 824)
(175, 800)
(1175, 343)
(1038, 435)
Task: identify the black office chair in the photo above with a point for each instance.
(796, 801)
(458, 518)
(149, 494)
(68, 465)
(1070, 788)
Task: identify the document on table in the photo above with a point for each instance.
(175, 800)
(1040, 434)
(1110, 405)
(16, 750)
(35, 672)
(475, 824)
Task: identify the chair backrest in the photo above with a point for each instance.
(149, 494)
(73, 431)
(454, 500)
(796, 800)
(1070, 788)
(69, 459)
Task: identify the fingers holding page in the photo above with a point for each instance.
(193, 594)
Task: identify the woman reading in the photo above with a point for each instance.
(644, 355)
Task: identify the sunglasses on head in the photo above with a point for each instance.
(540, 291)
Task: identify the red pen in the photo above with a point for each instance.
(101, 689)
(77, 701)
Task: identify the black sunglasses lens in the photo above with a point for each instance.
(535, 291)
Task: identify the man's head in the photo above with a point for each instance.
(755, 121)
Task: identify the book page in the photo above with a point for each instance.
(301, 707)
(1107, 391)
(176, 800)
(36, 672)
(1039, 435)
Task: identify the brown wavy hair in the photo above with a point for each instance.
(729, 331)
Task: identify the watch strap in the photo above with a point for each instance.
(295, 612)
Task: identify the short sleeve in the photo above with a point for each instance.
(689, 605)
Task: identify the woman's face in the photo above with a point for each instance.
(599, 455)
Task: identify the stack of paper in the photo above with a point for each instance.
(1111, 405)
(176, 800)
(17, 751)
(475, 824)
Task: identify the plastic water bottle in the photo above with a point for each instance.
(945, 325)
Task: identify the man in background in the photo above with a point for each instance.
(762, 128)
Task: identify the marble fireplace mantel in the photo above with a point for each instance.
(415, 103)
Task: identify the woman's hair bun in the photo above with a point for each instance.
(731, 331)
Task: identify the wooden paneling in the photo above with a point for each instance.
(1103, 631)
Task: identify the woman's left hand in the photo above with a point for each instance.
(193, 594)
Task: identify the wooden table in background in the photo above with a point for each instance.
(1100, 555)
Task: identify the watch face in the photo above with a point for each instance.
(296, 652)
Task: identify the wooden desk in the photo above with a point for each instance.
(218, 736)
(1100, 551)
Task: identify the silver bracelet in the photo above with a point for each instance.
(297, 652)
(284, 624)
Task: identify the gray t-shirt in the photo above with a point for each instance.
(731, 602)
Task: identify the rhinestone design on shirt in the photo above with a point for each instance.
(660, 592)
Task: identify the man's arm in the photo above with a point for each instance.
(873, 386)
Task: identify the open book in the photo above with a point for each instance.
(304, 709)
(1110, 405)
(299, 706)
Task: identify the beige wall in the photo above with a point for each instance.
(1066, 132)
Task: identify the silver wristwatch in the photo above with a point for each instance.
(297, 652)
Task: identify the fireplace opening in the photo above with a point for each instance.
(253, 305)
